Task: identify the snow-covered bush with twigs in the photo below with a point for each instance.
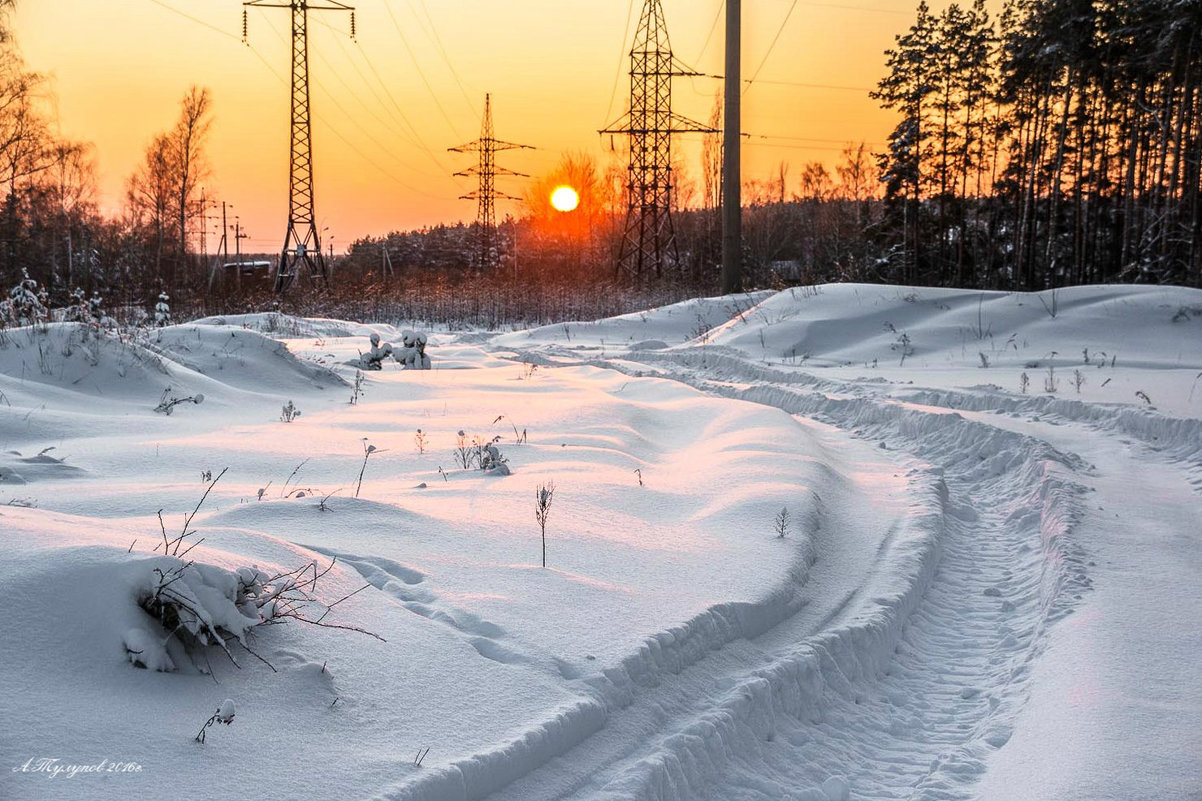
(197, 606)
(25, 302)
(162, 310)
(411, 355)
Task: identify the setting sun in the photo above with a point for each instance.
(564, 198)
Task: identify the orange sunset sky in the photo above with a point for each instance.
(387, 106)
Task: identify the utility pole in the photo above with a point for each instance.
(204, 226)
(732, 196)
(650, 239)
(302, 246)
(225, 242)
(385, 259)
(238, 237)
(486, 193)
(222, 252)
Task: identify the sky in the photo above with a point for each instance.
(387, 105)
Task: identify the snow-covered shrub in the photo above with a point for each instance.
(162, 310)
(479, 453)
(77, 310)
(96, 310)
(376, 354)
(491, 460)
(24, 301)
(198, 606)
(412, 353)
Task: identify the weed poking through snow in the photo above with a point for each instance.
(224, 714)
(368, 450)
(780, 524)
(168, 402)
(542, 508)
(1050, 382)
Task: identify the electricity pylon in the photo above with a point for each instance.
(302, 246)
(486, 194)
(650, 239)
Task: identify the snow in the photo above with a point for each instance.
(987, 589)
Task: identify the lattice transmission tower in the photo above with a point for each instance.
(302, 245)
(649, 241)
(486, 194)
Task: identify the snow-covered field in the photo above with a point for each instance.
(989, 584)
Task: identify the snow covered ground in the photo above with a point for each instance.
(988, 586)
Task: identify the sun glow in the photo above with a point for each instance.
(564, 198)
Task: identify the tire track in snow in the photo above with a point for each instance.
(665, 705)
(898, 690)
(672, 676)
(923, 722)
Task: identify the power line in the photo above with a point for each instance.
(354, 121)
(417, 65)
(811, 139)
(797, 147)
(771, 47)
(395, 108)
(814, 85)
(445, 57)
(197, 20)
(613, 92)
(710, 35)
(867, 9)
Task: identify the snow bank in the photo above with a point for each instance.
(646, 330)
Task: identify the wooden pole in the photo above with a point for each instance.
(732, 200)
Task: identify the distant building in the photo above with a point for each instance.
(246, 273)
(248, 269)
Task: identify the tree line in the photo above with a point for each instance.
(51, 225)
(1058, 144)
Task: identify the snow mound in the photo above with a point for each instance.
(676, 323)
(242, 358)
(276, 324)
(869, 325)
(18, 469)
(55, 360)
